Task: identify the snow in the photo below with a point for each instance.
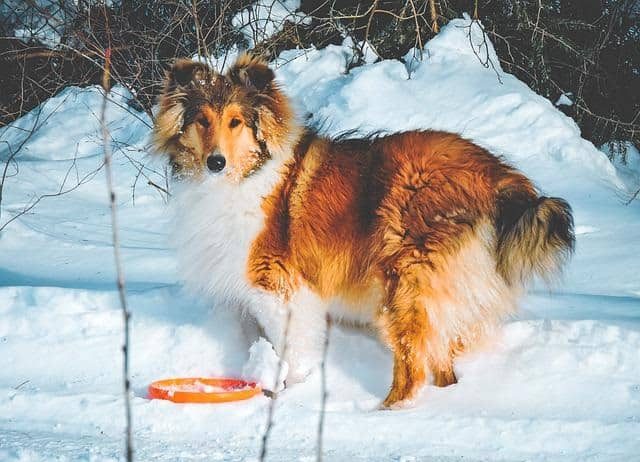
(199, 387)
(264, 365)
(564, 100)
(368, 53)
(627, 163)
(562, 382)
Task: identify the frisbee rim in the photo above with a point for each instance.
(159, 390)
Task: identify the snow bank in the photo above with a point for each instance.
(68, 125)
(561, 383)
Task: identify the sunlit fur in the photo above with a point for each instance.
(422, 234)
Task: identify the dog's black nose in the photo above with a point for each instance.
(216, 163)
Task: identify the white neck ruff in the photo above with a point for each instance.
(215, 223)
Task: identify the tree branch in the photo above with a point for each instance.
(116, 252)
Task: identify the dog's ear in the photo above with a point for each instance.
(251, 72)
(170, 118)
(185, 71)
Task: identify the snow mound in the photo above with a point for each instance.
(68, 124)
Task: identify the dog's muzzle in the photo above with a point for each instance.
(216, 163)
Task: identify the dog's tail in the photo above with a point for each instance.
(535, 237)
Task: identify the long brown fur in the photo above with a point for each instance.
(421, 223)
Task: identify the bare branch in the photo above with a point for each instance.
(434, 15)
(274, 397)
(324, 393)
(116, 252)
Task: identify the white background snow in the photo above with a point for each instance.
(561, 383)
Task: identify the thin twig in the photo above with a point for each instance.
(483, 46)
(434, 16)
(159, 188)
(324, 394)
(272, 403)
(61, 192)
(434, 26)
(21, 385)
(199, 38)
(633, 197)
(116, 252)
(373, 12)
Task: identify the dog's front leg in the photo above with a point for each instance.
(296, 328)
(292, 316)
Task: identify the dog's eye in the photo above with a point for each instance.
(203, 121)
(234, 122)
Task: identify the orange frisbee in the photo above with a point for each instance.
(203, 390)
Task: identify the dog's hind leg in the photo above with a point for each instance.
(404, 324)
(412, 336)
(443, 374)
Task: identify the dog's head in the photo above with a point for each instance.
(229, 124)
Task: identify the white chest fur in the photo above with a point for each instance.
(215, 223)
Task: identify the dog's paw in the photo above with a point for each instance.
(297, 374)
(263, 366)
(387, 405)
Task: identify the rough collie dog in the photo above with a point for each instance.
(423, 234)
